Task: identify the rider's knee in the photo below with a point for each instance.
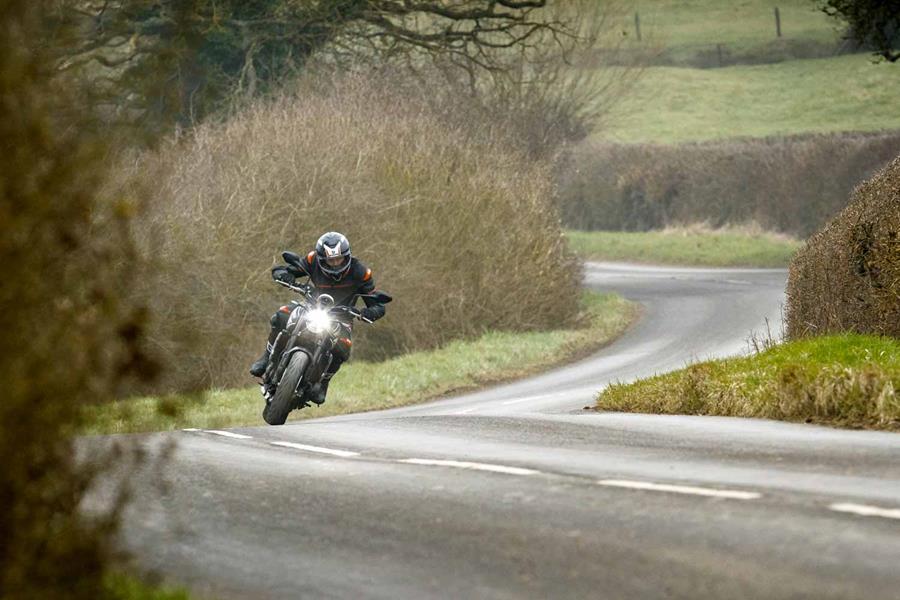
(280, 318)
(342, 348)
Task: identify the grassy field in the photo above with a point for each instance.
(363, 386)
(846, 381)
(844, 93)
(688, 27)
(734, 247)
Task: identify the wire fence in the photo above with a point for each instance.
(779, 47)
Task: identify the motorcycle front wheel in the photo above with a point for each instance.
(276, 412)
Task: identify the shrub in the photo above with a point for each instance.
(458, 226)
(792, 185)
(847, 278)
(68, 334)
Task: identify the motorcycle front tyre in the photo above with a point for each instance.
(276, 412)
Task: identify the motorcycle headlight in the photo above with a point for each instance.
(318, 320)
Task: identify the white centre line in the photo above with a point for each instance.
(866, 511)
(679, 489)
(341, 453)
(470, 465)
(228, 434)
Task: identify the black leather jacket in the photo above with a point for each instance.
(357, 280)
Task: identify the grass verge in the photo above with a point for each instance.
(845, 381)
(363, 386)
(730, 247)
(126, 587)
(842, 93)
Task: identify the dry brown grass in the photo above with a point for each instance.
(456, 224)
(847, 278)
(792, 185)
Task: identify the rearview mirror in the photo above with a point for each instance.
(379, 297)
(293, 259)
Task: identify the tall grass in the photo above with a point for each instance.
(456, 223)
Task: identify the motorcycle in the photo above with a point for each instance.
(301, 353)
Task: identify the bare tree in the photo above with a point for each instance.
(551, 88)
(179, 60)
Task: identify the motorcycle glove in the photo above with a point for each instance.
(282, 274)
(370, 314)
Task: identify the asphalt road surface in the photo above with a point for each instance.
(518, 492)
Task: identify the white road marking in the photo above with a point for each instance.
(866, 511)
(467, 411)
(470, 465)
(528, 399)
(679, 489)
(341, 453)
(191, 429)
(228, 434)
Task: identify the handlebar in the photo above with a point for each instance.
(351, 311)
(307, 293)
(302, 289)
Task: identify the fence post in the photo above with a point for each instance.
(777, 22)
(719, 52)
(637, 24)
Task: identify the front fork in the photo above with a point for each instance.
(321, 360)
(285, 339)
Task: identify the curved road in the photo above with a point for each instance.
(517, 492)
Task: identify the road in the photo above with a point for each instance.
(518, 492)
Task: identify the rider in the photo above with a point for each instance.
(332, 270)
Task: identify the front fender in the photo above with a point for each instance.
(286, 358)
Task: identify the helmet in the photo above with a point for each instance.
(333, 254)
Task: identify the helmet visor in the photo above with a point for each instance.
(336, 263)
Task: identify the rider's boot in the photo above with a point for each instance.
(318, 392)
(258, 368)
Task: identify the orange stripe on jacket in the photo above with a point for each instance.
(310, 256)
(368, 275)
